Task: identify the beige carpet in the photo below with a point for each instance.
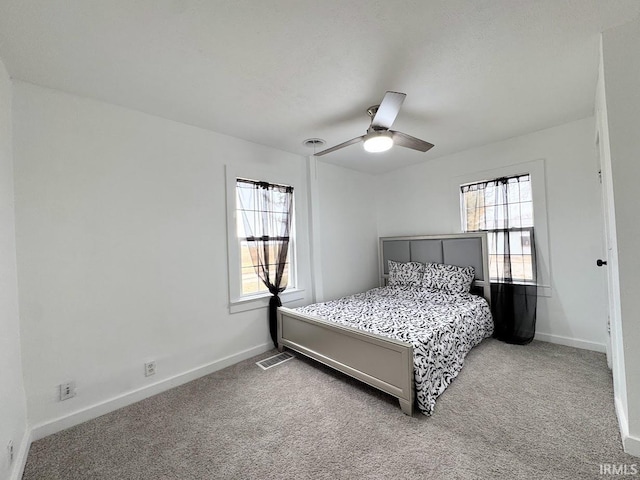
(537, 412)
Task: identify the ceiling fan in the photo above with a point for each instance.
(379, 136)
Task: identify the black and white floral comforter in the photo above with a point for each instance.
(442, 327)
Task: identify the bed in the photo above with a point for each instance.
(405, 340)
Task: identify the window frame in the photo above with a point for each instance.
(237, 301)
(292, 277)
(536, 170)
(520, 281)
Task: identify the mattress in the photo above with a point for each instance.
(441, 327)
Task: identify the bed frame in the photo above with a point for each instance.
(382, 362)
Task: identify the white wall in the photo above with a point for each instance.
(423, 199)
(122, 254)
(345, 231)
(13, 415)
(621, 65)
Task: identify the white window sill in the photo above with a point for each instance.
(542, 291)
(262, 301)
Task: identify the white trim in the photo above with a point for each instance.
(622, 417)
(20, 460)
(262, 301)
(544, 290)
(317, 285)
(630, 444)
(88, 413)
(571, 342)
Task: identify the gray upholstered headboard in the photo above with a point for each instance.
(461, 249)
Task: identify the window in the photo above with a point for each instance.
(264, 227)
(504, 209)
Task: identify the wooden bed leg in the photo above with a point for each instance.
(406, 406)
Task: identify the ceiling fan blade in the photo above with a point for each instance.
(388, 110)
(408, 141)
(342, 145)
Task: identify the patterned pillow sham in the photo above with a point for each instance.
(450, 278)
(409, 273)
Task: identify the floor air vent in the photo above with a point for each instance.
(275, 360)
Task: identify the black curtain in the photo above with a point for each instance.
(513, 303)
(267, 226)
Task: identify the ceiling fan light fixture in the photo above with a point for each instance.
(378, 142)
(379, 136)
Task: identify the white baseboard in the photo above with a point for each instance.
(571, 342)
(20, 460)
(622, 417)
(75, 418)
(630, 443)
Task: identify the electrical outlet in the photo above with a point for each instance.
(67, 390)
(10, 450)
(150, 368)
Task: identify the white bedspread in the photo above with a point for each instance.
(442, 328)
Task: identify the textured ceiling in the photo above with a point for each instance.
(276, 72)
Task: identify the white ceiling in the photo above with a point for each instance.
(276, 72)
